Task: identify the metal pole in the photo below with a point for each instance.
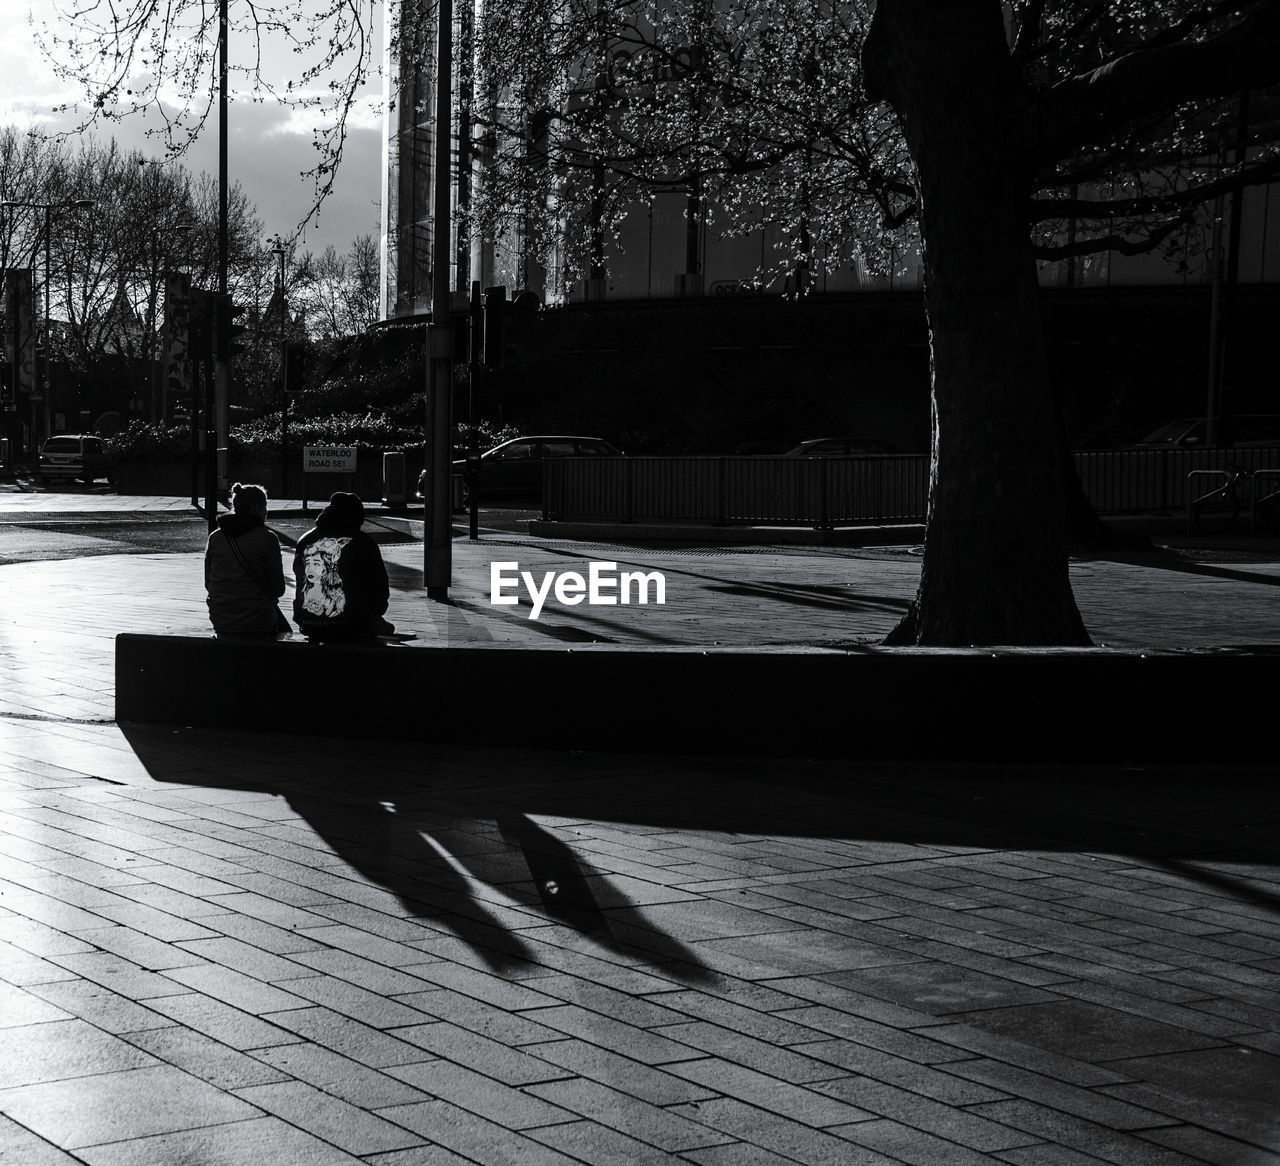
(284, 376)
(48, 232)
(437, 544)
(1231, 277)
(473, 392)
(221, 413)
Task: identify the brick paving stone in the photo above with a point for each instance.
(481, 1018)
(237, 989)
(252, 1142)
(737, 1154)
(1047, 1091)
(1043, 1154)
(790, 1064)
(137, 948)
(1088, 1137)
(619, 1110)
(811, 910)
(120, 975)
(923, 1114)
(371, 1008)
(351, 1081)
(1191, 1018)
(37, 938)
(758, 1129)
(865, 1031)
(21, 1146)
(642, 1012)
(905, 1143)
(595, 1028)
(105, 1107)
(260, 934)
(472, 1137)
(590, 1142)
(361, 943)
(100, 1006)
(830, 991)
(933, 986)
(1158, 987)
(517, 1109)
(1026, 1056)
(366, 973)
(18, 967)
(59, 1049)
(429, 1155)
(222, 1022)
(346, 1126)
(793, 1101)
(766, 1026)
(483, 985)
(1231, 1090)
(161, 925)
(203, 1057)
(1204, 1145)
(341, 1034)
(509, 1065)
(612, 1068)
(1087, 1032)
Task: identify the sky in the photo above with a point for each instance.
(268, 146)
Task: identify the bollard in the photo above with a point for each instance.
(393, 479)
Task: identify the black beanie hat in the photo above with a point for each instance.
(344, 509)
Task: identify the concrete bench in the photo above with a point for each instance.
(882, 704)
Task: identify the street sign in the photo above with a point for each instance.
(328, 459)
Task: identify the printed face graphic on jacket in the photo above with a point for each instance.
(322, 594)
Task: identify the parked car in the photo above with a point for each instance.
(1244, 429)
(839, 447)
(76, 455)
(514, 468)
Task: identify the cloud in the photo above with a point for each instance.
(269, 146)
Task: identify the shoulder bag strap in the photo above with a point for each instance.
(248, 570)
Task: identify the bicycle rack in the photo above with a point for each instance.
(1253, 495)
(1225, 475)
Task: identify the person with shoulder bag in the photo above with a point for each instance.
(243, 572)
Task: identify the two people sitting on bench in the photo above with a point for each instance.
(342, 587)
(243, 574)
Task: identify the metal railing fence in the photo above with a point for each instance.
(826, 491)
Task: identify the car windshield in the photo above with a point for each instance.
(62, 445)
(1167, 434)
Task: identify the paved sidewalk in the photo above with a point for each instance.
(232, 948)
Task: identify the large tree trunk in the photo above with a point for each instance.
(995, 558)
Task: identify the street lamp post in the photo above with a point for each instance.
(48, 208)
(286, 388)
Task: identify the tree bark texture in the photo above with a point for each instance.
(995, 557)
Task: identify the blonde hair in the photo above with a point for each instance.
(249, 500)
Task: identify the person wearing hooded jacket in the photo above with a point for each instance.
(243, 574)
(342, 587)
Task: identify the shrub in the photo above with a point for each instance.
(143, 441)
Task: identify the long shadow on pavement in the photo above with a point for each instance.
(1164, 559)
(473, 864)
(434, 823)
(950, 890)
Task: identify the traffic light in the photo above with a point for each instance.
(226, 331)
(295, 366)
(199, 332)
(495, 313)
(6, 390)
